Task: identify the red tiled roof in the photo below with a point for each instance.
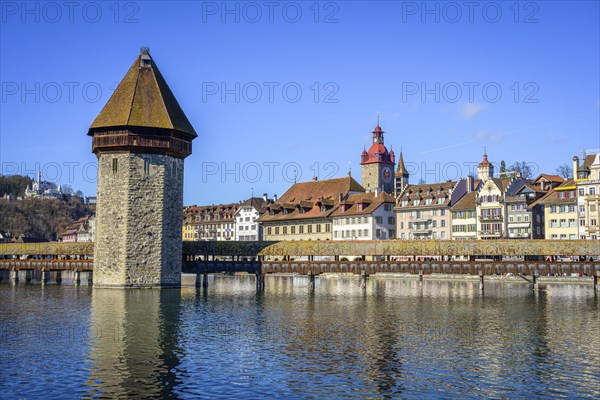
(369, 201)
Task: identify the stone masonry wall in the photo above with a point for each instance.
(139, 213)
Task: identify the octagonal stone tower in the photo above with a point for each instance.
(140, 137)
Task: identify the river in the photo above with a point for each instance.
(396, 338)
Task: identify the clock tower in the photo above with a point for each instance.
(377, 164)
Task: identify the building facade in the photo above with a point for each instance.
(141, 138)
(587, 178)
(365, 216)
(210, 223)
(560, 212)
(304, 212)
(247, 227)
(423, 211)
(464, 217)
(43, 189)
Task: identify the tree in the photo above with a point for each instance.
(78, 193)
(421, 181)
(502, 166)
(565, 171)
(523, 168)
(67, 189)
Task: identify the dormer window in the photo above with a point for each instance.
(441, 200)
(415, 202)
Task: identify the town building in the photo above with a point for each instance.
(43, 189)
(423, 211)
(305, 210)
(560, 212)
(215, 222)
(5, 237)
(247, 227)
(141, 138)
(377, 164)
(587, 179)
(365, 216)
(82, 230)
(464, 212)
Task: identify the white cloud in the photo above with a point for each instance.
(470, 110)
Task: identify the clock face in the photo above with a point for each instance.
(386, 174)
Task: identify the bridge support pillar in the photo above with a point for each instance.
(481, 281)
(14, 276)
(28, 275)
(45, 276)
(198, 281)
(363, 279)
(77, 278)
(596, 289)
(534, 280)
(59, 277)
(311, 281)
(204, 280)
(90, 276)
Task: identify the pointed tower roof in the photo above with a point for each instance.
(143, 99)
(485, 162)
(401, 170)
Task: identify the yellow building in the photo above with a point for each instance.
(560, 212)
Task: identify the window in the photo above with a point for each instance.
(443, 223)
(401, 225)
(427, 202)
(293, 229)
(285, 230)
(581, 191)
(365, 232)
(563, 208)
(582, 209)
(115, 163)
(563, 223)
(379, 220)
(553, 223)
(554, 236)
(309, 228)
(511, 219)
(391, 221)
(378, 233)
(572, 223)
(318, 228)
(442, 235)
(441, 200)
(301, 229)
(592, 191)
(593, 222)
(526, 218)
(387, 207)
(552, 209)
(415, 202)
(442, 212)
(404, 203)
(572, 208)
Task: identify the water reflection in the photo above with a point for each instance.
(396, 338)
(134, 343)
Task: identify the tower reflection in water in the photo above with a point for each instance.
(134, 343)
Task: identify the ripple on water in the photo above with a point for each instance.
(397, 338)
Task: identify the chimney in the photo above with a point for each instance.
(274, 198)
(470, 183)
(377, 191)
(575, 166)
(315, 178)
(339, 197)
(265, 196)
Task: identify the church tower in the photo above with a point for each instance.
(140, 137)
(401, 176)
(377, 165)
(485, 169)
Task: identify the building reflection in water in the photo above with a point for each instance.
(134, 343)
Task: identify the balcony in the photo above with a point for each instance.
(420, 219)
(491, 217)
(490, 234)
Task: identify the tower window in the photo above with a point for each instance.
(115, 164)
(146, 168)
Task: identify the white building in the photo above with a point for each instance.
(43, 189)
(365, 216)
(247, 228)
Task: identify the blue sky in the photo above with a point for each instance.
(521, 80)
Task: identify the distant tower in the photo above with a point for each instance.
(485, 169)
(401, 176)
(140, 137)
(377, 165)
